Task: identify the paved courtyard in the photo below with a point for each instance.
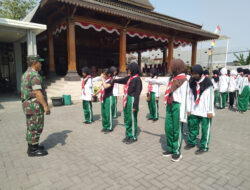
(81, 157)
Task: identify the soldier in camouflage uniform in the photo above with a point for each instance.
(34, 103)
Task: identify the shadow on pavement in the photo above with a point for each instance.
(56, 138)
(96, 117)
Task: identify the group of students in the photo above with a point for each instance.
(233, 85)
(188, 99)
(108, 97)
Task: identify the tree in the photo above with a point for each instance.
(241, 60)
(248, 59)
(16, 9)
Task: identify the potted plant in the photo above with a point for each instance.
(96, 88)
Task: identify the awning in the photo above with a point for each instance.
(14, 30)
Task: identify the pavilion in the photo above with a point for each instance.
(100, 33)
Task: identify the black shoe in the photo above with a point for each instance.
(87, 122)
(130, 141)
(33, 151)
(176, 157)
(125, 139)
(167, 154)
(150, 118)
(200, 151)
(155, 119)
(189, 146)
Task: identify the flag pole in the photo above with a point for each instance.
(227, 53)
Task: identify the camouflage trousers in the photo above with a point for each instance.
(34, 128)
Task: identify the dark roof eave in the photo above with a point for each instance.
(97, 6)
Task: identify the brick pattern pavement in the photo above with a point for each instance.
(81, 157)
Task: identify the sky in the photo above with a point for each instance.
(233, 17)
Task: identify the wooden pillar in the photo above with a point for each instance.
(194, 53)
(123, 51)
(170, 53)
(51, 52)
(164, 59)
(139, 59)
(72, 74)
(71, 45)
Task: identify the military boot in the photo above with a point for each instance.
(34, 150)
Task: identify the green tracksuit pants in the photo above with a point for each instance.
(106, 111)
(216, 97)
(194, 123)
(153, 107)
(173, 128)
(87, 110)
(243, 99)
(130, 119)
(114, 106)
(223, 99)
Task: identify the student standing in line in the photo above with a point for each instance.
(238, 81)
(176, 99)
(87, 91)
(114, 73)
(232, 89)
(215, 81)
(132, 91)
(201, 109)
(106, 101)
(153, 97)
(223, 88)
(244, 92)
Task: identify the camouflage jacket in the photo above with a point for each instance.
(31, 80)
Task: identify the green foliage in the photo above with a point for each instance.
(16, 9)
(248, 59)
(241, 60)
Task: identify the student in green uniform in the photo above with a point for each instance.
(215, 81)
(244, 92)
(200, 109)
(153, 97)
(114, 73)
(132, 91)
(87, 91)
(106, 101)
(176, 100)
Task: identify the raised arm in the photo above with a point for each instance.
(97, 79)
(121, 80)
(159, 81)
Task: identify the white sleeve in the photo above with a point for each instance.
(189, 103)
(210, 100)
(91, 87)
(159, 81)
(157, 90)
(184, 102)
(96, 79)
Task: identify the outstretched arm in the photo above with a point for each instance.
(121, 80)
(159, 81)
